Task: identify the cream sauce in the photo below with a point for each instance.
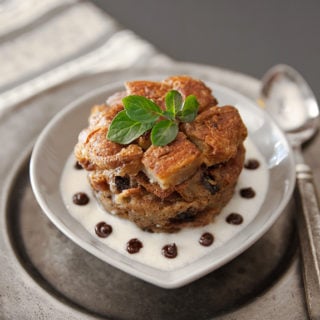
(187, 240)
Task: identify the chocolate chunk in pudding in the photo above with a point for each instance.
(122, 183)
(78, 166)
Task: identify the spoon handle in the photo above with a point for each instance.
(309, 234)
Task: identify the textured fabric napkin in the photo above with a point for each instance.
(43, 43)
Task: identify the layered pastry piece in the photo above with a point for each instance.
(163, 189)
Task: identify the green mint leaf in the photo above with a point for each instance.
(141, 109)
(141, 114)
(168, 115)
(189, 110)
(164, 132)
(123, 130)
(173, 101)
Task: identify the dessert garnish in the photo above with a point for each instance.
(141, 114)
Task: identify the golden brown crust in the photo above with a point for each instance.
(217, 132)
(155, 91)
(102, 115)
(94, 151)
(116, 98)
(187, 86)
(153, 188)
(172, 164)
(164, 189)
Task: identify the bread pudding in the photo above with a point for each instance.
(184, 183)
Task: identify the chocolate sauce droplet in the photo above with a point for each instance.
(234, 218)
(103, 229)
(247, 193)
(170, 251)
(206, 239)
(78, 166)
(80, 198)
(134, 246)
(252, 164)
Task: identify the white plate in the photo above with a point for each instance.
(57, 140)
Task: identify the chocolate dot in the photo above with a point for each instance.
(247, 193)
(134, 246)
(103, 229)
(252, 164)
(170, 251)
(80, 198)
(78, 166)
(206, 239)
(234, 218)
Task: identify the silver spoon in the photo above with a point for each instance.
(289, 99)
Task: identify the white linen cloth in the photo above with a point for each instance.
(43, 43)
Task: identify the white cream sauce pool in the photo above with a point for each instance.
(187, 240)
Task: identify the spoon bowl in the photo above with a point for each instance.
(291, 102)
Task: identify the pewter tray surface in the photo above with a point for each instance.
(45, 275)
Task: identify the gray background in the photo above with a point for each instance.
(243, 35)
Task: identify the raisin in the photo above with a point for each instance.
(122, 183)
(209, 183)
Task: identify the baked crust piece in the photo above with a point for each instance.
(172, 164)
(163, 189)
(187, 86)
(217, 132)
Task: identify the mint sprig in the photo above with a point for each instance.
(141, 114)
(141, 109)
(124, 130)
(164, 132)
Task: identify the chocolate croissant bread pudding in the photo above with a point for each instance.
(163, 184)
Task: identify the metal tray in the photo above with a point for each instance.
(46, 276)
